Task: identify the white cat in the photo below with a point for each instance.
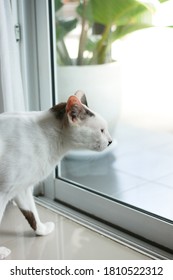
(32, 143)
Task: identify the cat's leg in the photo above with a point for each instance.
(3, 203)
(4, 252)
(26, 204)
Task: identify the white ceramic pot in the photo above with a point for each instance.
(101, 84)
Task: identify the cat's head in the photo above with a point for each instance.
(82, 127)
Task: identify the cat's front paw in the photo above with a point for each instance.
(44, 229)
(4, 252)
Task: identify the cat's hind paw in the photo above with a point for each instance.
(4, 253)
(45, 229)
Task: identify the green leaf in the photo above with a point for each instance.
(121, 31)
(64, 27)
(126, 16)
(114, 11)
(58, 4)
(162, 1)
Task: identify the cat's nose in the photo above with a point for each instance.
(109, 142)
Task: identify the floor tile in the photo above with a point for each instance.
(80, 243)
(167, 149)
(69, 241)
(142, 156)
(102, 177)
(133, 139)
(152, 197)
(149, 165)
(167, 180)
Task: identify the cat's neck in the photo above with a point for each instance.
(55, 133)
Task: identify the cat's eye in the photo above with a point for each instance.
(102, 130)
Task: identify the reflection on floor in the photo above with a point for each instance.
(69, 241)
(139, 171)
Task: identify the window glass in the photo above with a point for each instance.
(128, 81)
(120, 54)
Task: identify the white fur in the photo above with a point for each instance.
(31, 144)
(4, 252)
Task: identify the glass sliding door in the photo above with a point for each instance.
(130, 185)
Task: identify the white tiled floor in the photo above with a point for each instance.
(69, 240)
(139, 170)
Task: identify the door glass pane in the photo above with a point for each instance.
(127, 78)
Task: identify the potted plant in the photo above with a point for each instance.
(99, 24)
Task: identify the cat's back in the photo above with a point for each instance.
(17, 119)
(17, 130)
(17, 125)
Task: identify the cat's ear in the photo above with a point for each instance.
(73, 108)
(82, 97)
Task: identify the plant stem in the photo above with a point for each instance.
(63, 54)
(83, 36)
(102, 46)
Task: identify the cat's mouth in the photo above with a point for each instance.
(100, 148)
